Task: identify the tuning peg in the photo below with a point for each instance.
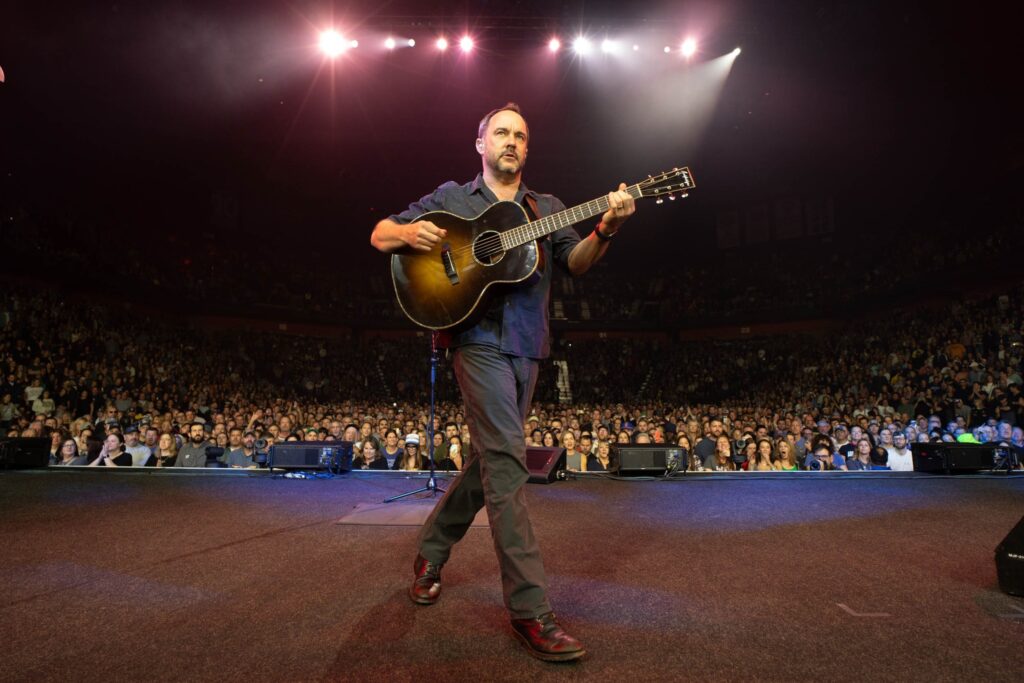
(659, 200)
(684, 195)
(671, 197)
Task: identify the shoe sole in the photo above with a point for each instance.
(548, 656)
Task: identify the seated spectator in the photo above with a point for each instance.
(765, 457)
(786, 460)
(879, 458)
(69, 456)
(391, 452)
(549, 440)
(242, 454)
(822, 458)
(140, 454)
(746, 457)
(623, 436)
(722, 454)
(193, 453)
(860, 460)
(900, 457)
(369, 457)
(112, 454)
(600, 460)
(411, 459)
(572, 453)
(166, 452)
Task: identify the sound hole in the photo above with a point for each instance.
(487, 248)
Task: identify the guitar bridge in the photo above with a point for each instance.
(449, 264)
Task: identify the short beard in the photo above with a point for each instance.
(201, 438)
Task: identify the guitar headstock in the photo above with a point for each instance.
(677, 182)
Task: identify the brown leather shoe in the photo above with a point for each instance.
(545, 639)
(426, 588)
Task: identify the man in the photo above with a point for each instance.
(496, 362)
(705, 448)
(242, 449)
(140, 454)
(900, 457)
(193, 453)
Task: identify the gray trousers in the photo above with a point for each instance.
(497, 390)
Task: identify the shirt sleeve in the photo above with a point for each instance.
(435, 201)
(563, 240)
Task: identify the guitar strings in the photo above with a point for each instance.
(492, 245)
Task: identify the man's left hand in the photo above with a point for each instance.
(620, 207)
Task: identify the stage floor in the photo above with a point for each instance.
(113, 576)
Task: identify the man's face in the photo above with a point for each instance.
(391, 439)
(131, 439)
(503, 146)
(716, 428)
(235, 438)
(899, 439)
(249, 440)
(196, 433)
(152, 436)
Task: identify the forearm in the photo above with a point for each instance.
(389, 236)
(586, 253)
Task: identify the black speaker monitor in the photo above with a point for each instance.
(1010, 561)
(544, 463)
(311, 455)
(24, 453)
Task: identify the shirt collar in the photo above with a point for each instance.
(479, 186)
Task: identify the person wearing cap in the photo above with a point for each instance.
(411, 458)
(900, 458)
(140, 454)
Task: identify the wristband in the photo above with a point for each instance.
(600, 235)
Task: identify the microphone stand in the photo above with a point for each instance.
(431, 486)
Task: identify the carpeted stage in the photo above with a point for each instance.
(143, 576)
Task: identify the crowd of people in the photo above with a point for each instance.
(111, 386)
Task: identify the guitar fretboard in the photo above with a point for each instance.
(528, 232)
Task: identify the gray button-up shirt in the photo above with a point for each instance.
(516, 321)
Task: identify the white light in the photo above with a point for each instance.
(736, 51)
(466, 43)
(412, 43)
(442, 44)
(353, 43)
(554, 44)
(667, 49)
(636, 48)
(608, 46)
(581, 45)
(390, 43)
(332, 44)
(689, 47)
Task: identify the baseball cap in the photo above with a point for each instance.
(413, 439)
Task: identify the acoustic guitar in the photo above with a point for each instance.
(448, 286)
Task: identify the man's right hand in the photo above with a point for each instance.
(423, 235)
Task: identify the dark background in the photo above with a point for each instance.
(192, 118)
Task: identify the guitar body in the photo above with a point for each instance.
(447, 286)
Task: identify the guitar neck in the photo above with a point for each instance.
(534, 230)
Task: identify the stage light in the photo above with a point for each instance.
(689, 47)
(581, 45)
(554, 44)
(737, 51)
(390, 43)
(412, 42)
(667, 49)
(636, 48)
(332, 43)
(466, 43)
(609, 46)
(442, 44)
